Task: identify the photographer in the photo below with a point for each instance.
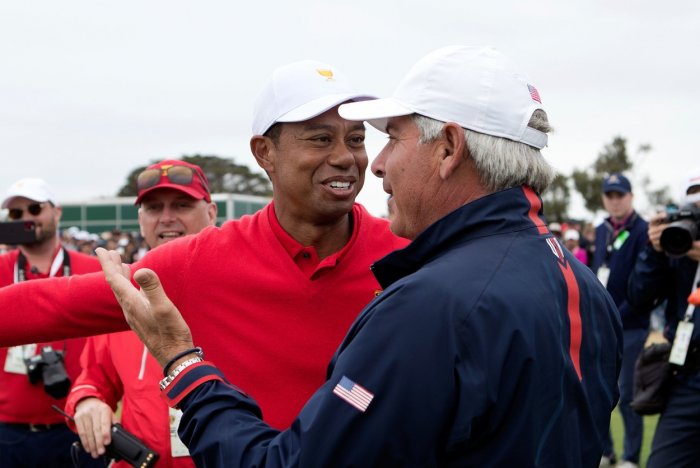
(658, 276)
(35, 376)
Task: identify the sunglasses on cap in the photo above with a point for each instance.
(178, 175)
(34, 209)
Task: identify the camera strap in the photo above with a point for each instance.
(62, 259)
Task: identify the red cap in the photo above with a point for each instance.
(198, 188)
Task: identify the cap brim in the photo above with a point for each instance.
(319, 106)
(187, 190)
(376, 112)
(617, 189)
(36, 199)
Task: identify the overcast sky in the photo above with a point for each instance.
(91, 89)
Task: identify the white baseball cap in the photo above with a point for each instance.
(476, 87)
(691, 180)
(34, 189)
(301, 91)
(572, 234)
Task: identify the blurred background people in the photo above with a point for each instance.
(618, 241)
(571, 242)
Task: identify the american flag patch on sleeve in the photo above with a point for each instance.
(354, 394)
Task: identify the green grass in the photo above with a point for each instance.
(617, 430)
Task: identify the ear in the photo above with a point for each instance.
(451, 150)
(140, 223)
(262, 147)
(212, 211)
(57, 213)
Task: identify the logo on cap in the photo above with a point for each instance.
(328, 74)
(613, 179)
(534, 94)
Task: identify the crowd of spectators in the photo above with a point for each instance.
(130, 245)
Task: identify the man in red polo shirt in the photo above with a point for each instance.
(31, 433)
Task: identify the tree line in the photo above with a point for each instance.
(225, 176)
(588, 181)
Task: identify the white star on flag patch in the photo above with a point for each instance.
(354, 394)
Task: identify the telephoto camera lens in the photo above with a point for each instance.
(677, 239)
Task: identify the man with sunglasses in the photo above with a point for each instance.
(271, 294)
(174, 201)
(31, 432)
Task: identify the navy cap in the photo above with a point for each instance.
(616, 183)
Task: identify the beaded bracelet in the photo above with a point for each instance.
(196, 350)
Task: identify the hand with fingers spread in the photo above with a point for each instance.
(94, 419)
(148, 311)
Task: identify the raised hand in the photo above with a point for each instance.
(148, 311)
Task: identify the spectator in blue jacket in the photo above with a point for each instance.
(618, 242)
(490, 345)
(658, 276)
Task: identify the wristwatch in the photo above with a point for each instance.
(175, 372)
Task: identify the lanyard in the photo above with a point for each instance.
(614, 244)
(62, 259)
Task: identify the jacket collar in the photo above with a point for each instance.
(509, 210)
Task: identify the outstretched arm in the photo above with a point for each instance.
(148, 311)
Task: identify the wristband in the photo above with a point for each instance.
(169, 364)
(171, 376)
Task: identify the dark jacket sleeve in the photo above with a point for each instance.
(647, 285)
(401, 356)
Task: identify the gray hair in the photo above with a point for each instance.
(502, 163)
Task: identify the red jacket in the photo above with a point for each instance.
(20, 401)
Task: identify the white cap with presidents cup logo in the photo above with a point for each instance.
(301, 91)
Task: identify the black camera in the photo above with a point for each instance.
(48, 366)
(682, 231)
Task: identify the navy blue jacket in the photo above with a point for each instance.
(621, 262)
(490, 346)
